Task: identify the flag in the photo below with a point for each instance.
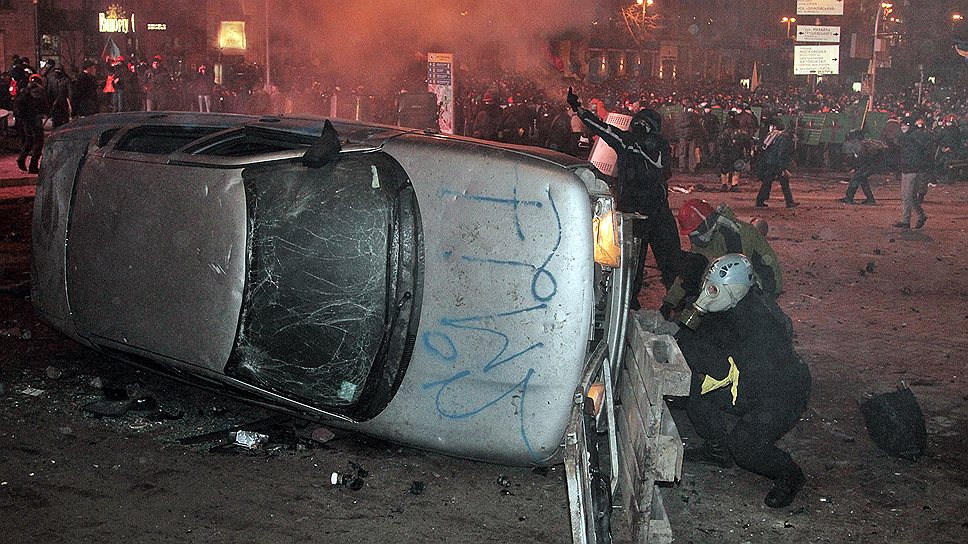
(110, 50)
(755, 80)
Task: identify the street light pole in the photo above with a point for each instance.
(36, 36)
(268, 81)
(873, 66)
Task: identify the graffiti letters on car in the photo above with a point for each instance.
(509, 350)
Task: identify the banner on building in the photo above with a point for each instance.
(819, 34)
(440, 81)
(816, 60)
(820, 7)
(602, 155)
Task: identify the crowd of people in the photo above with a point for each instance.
(714, 125)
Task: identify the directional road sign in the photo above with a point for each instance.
(816, 59)
(821, 34)
(820, 7)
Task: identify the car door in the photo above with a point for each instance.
(156, 251)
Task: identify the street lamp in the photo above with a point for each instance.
(955, 18)
(885, 9)
(789, 21)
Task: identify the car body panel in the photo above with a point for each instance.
(158, 255)
(502, 341)
(169, 266)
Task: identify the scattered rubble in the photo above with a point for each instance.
(250, 439)
(353, 480)
(417, 488)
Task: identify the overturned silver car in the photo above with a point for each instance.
(446, 293)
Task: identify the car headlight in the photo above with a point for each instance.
(607, 233)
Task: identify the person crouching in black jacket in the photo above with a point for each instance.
(739, 345)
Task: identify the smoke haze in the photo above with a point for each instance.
(373, 41)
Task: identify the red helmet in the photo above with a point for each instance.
(692, 213)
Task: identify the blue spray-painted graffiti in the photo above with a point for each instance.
(493, 328)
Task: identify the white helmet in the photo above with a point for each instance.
(727, 281)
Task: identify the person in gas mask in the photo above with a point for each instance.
(714, 233)
(643, 170)
(739, 346)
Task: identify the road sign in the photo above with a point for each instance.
(820, 7)
(816, 59)
(822, 34)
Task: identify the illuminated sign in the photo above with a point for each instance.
(231, 35)
(157, 26)
(115, 20)
(820, 7)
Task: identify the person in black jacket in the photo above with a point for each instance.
(644, 168)
(950, 146)
(771, 165)
(58, 86)
(84, 93)
(739, 345)
(31, 108)
(916, 147)
(870, 157)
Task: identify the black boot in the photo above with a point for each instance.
(711, 452)
(22, 163)
(34, 166)
(785, 488)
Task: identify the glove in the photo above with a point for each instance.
(573, 100)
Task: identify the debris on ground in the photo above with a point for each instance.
(32, 392)
(352, 480)
(321, 435)
(108, 408)
(896, 424)
(118, 401)
(417, 488)
(53, 372)
(250, 439)
(225, 435)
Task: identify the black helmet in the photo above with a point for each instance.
(649, 119)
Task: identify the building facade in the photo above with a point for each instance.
(18, 30)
